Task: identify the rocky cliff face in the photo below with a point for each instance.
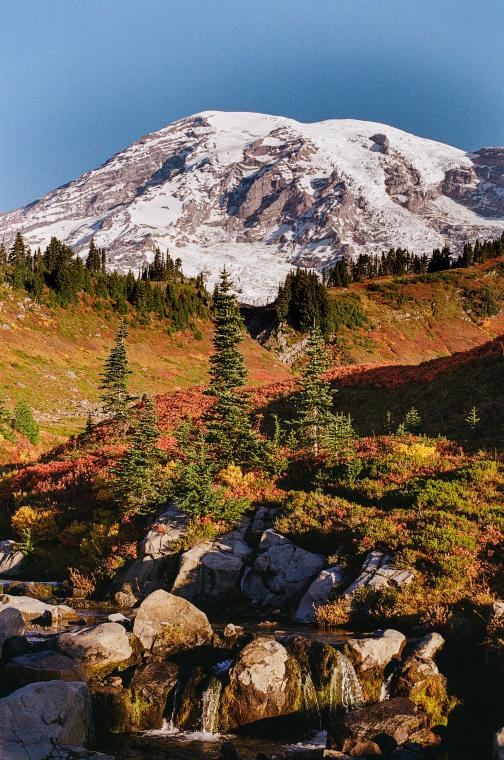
(262, 193)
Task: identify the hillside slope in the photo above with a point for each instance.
(261, 193)
(53, 356)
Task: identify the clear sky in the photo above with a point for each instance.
(82, 79)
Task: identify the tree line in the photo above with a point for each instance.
(303, 300)
(58, 275)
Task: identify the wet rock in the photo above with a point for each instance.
(281, 571)
(11, 624)
(35, 589)
(375, 730)
(166, 623)
(11, 559)
(228, 751)
(264, 682)
(378, 572)
(140, 706)
(376, 651)
(99, 648)
(41, 715)
(42, 666)
(34, 610)
(212, 569)
(319, 593)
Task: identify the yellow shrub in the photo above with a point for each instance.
(233, 477)
(418, 451)
(40, 522)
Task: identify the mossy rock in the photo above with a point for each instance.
(431, 696)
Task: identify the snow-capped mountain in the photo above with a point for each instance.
(261, 193)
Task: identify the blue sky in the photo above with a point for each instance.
(82, 79)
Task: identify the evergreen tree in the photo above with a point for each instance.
(115, 397)
(18, 252)
(227, 368)
(472, 419)
(230, 435)
(138, 486)
(94, 258)
(315, 401)
(25, 423)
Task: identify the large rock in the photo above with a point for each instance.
(34, 610)
(265, 682)
(166, 623)
(99, 648)
(37, 717)
(281, 571)
(11, 559)
(212, 569)
(375, 652)
(319, 593)
(42, 666)
(378, 572)
(376, 730)
(35, 589)
(11, 624)
(161, 543)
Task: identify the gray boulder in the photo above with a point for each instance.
(375, 652)
(11, 624)
(166, 623)
(319, 593)
(34, 610)
(377, 572)
(11, 559)
(265, 682)
(99, 648)
(212, 569)
(41, 715)
(280, 572)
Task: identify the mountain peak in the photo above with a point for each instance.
(261, 193)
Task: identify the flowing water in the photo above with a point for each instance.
(210, 701)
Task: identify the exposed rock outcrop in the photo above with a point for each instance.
(34, 610)
(211, 570)
(319, 593)
(281, 571)
(377, 572)
(42, 666)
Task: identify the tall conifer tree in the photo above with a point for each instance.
(315, 400)
(115, 397)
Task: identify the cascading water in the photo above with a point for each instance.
(210, 700)
(386, 687)
(350, 690)
(310, 699)
(169, 722)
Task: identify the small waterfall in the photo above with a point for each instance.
(169, 724)
(210, 700)
(351, 691)
(386, 687)
(310, 698)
